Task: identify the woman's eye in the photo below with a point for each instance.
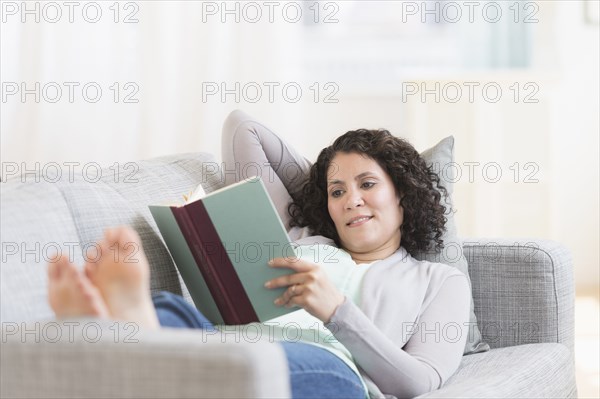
(368, 184)
(336, 193)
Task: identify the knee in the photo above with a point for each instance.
(238, 128)
(166, 297)
(237, 115)
(234, 120)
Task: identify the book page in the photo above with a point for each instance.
(195, 195)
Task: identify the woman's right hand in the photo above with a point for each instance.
(309, 288)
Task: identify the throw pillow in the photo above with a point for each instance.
(440, 156)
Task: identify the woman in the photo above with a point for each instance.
(399, 324)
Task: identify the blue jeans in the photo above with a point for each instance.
(314, 372)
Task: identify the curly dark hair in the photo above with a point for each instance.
(424, 220)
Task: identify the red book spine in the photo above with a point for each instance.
(207, 264)
(215, 265)
(242, 311)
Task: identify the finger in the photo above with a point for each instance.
(295, 290)
(295, 300)
(283, 299)
(287, 302)
(285, 281)
(288, 296)
(296, 264)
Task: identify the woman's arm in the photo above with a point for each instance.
(430, 356)
(249, 148)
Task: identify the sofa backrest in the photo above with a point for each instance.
(68, 209)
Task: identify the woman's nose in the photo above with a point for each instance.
(354, 199)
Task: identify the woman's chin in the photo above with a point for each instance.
(361, 247)
(366, 244)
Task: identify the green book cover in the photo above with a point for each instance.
(250, 232)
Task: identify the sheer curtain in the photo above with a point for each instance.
(109, 91)
(154, 60)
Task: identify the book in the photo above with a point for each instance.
(221, 243)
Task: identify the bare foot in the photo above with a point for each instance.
(71, 294)
(122, 275)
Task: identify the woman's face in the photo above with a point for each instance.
(363, 203)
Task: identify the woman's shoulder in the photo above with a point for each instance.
(418, 282)
(432, 276)
(403, 262)
(437, 267)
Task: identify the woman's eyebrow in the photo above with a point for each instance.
(358, 177)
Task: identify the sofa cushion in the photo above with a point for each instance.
(124, 200)
(509, 373)
(441, 157)
(71, 213)
(35, 224)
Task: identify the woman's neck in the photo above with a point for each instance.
(372, 256)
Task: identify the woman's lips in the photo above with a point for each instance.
(360, 221)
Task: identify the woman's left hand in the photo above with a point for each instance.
(309, 288)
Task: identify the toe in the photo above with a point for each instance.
(84, 285)
(90, 269)
(93, 252)
(127, 235)
(63, 267)
(70, 271)
(53, 269)
(111, 235)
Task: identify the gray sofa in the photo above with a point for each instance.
(523, 294)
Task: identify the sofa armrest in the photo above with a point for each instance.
(525, 371)
(523, 291)
(92, 358)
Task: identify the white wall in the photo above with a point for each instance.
(169, 53)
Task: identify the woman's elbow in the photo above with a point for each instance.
(415, 386)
